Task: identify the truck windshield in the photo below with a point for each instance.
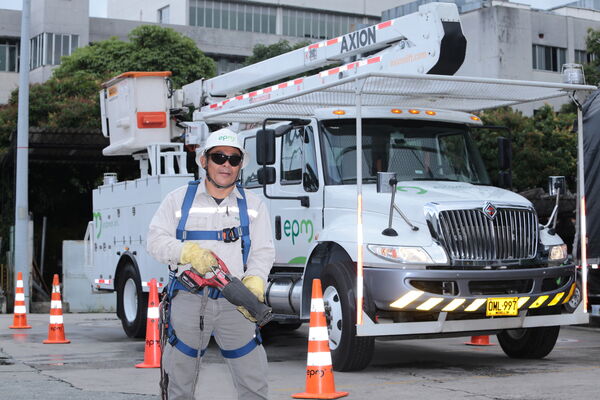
(414, 150)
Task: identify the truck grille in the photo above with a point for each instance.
(470, 235)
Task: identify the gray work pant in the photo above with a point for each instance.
(231, 331)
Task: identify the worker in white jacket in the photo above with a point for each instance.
(192, 224)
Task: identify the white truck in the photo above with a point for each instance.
(373, 184)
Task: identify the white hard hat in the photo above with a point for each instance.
(225, 137)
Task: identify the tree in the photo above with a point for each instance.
(592, 68)
(69, 99)
(543, 145)
(260, 52)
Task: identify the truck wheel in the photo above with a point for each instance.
(348, 351)
(132, 302)
(528, 343)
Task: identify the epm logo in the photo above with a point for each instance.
(358, 39)
(296, 228)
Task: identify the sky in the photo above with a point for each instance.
(98, 7)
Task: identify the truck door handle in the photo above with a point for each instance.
(278, 227)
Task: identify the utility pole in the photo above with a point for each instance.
(22, 173)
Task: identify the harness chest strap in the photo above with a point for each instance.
(225, 235)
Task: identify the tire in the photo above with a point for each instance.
(532, 343)
(132, 302)
(348, 351)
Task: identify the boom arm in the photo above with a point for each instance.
(429, 41)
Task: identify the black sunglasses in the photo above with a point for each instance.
(220, 158)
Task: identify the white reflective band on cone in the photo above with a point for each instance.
(19, 283)
(56, 289)
(321, 359)
(317, 305)
(56, 319)
(152, 312)
(317, 333)
(20, 310)
(20, 296)
(56, 304)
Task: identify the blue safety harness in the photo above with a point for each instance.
(227, 235)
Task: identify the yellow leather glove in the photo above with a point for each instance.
(256, 285)
(246, 313)
(201, 259)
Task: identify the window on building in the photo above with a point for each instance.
(583, 57)
(233, 16)
(9, 55)
(313, 25)
(48, 48)
(548, 58)
(163, 15)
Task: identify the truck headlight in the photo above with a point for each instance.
(408, 255)
(557, 253)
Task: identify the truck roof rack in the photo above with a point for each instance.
(300, 97)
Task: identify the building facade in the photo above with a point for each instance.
(505, 40)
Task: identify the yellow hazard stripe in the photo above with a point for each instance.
(429, 304)
(407, 299)
(570, 293)
(556, 299)
(475, 304)
(522, 301)
(453, 305)
(539, 301)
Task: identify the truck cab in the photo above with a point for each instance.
(455, 240)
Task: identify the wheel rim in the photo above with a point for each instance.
(333, 312)
(576, 298)
(130, 300)
(516, 334)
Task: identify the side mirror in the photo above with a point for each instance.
(556, 184)
(265, 147)
(504, 162)
(266, 175)
(504, 153)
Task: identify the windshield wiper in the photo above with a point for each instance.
(437, 179)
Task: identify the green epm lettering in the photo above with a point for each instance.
(97, 223)
(295, 228)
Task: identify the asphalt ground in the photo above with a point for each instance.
(99, 364)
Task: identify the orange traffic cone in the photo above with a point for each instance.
(152, 349)
(483, 340)
(319, 370)
(56, 328)
(20, 311)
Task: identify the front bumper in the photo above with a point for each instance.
(467, 291)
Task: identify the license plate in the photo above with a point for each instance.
(501, 306)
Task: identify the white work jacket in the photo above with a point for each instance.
(206, 214)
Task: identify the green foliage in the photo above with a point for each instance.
(69, 99)
(592, 69)
(150, 48)
(260, 52)
(543, 145)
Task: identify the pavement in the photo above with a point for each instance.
(99, 364)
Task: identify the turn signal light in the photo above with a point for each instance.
(339, 112)
(475, 118)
